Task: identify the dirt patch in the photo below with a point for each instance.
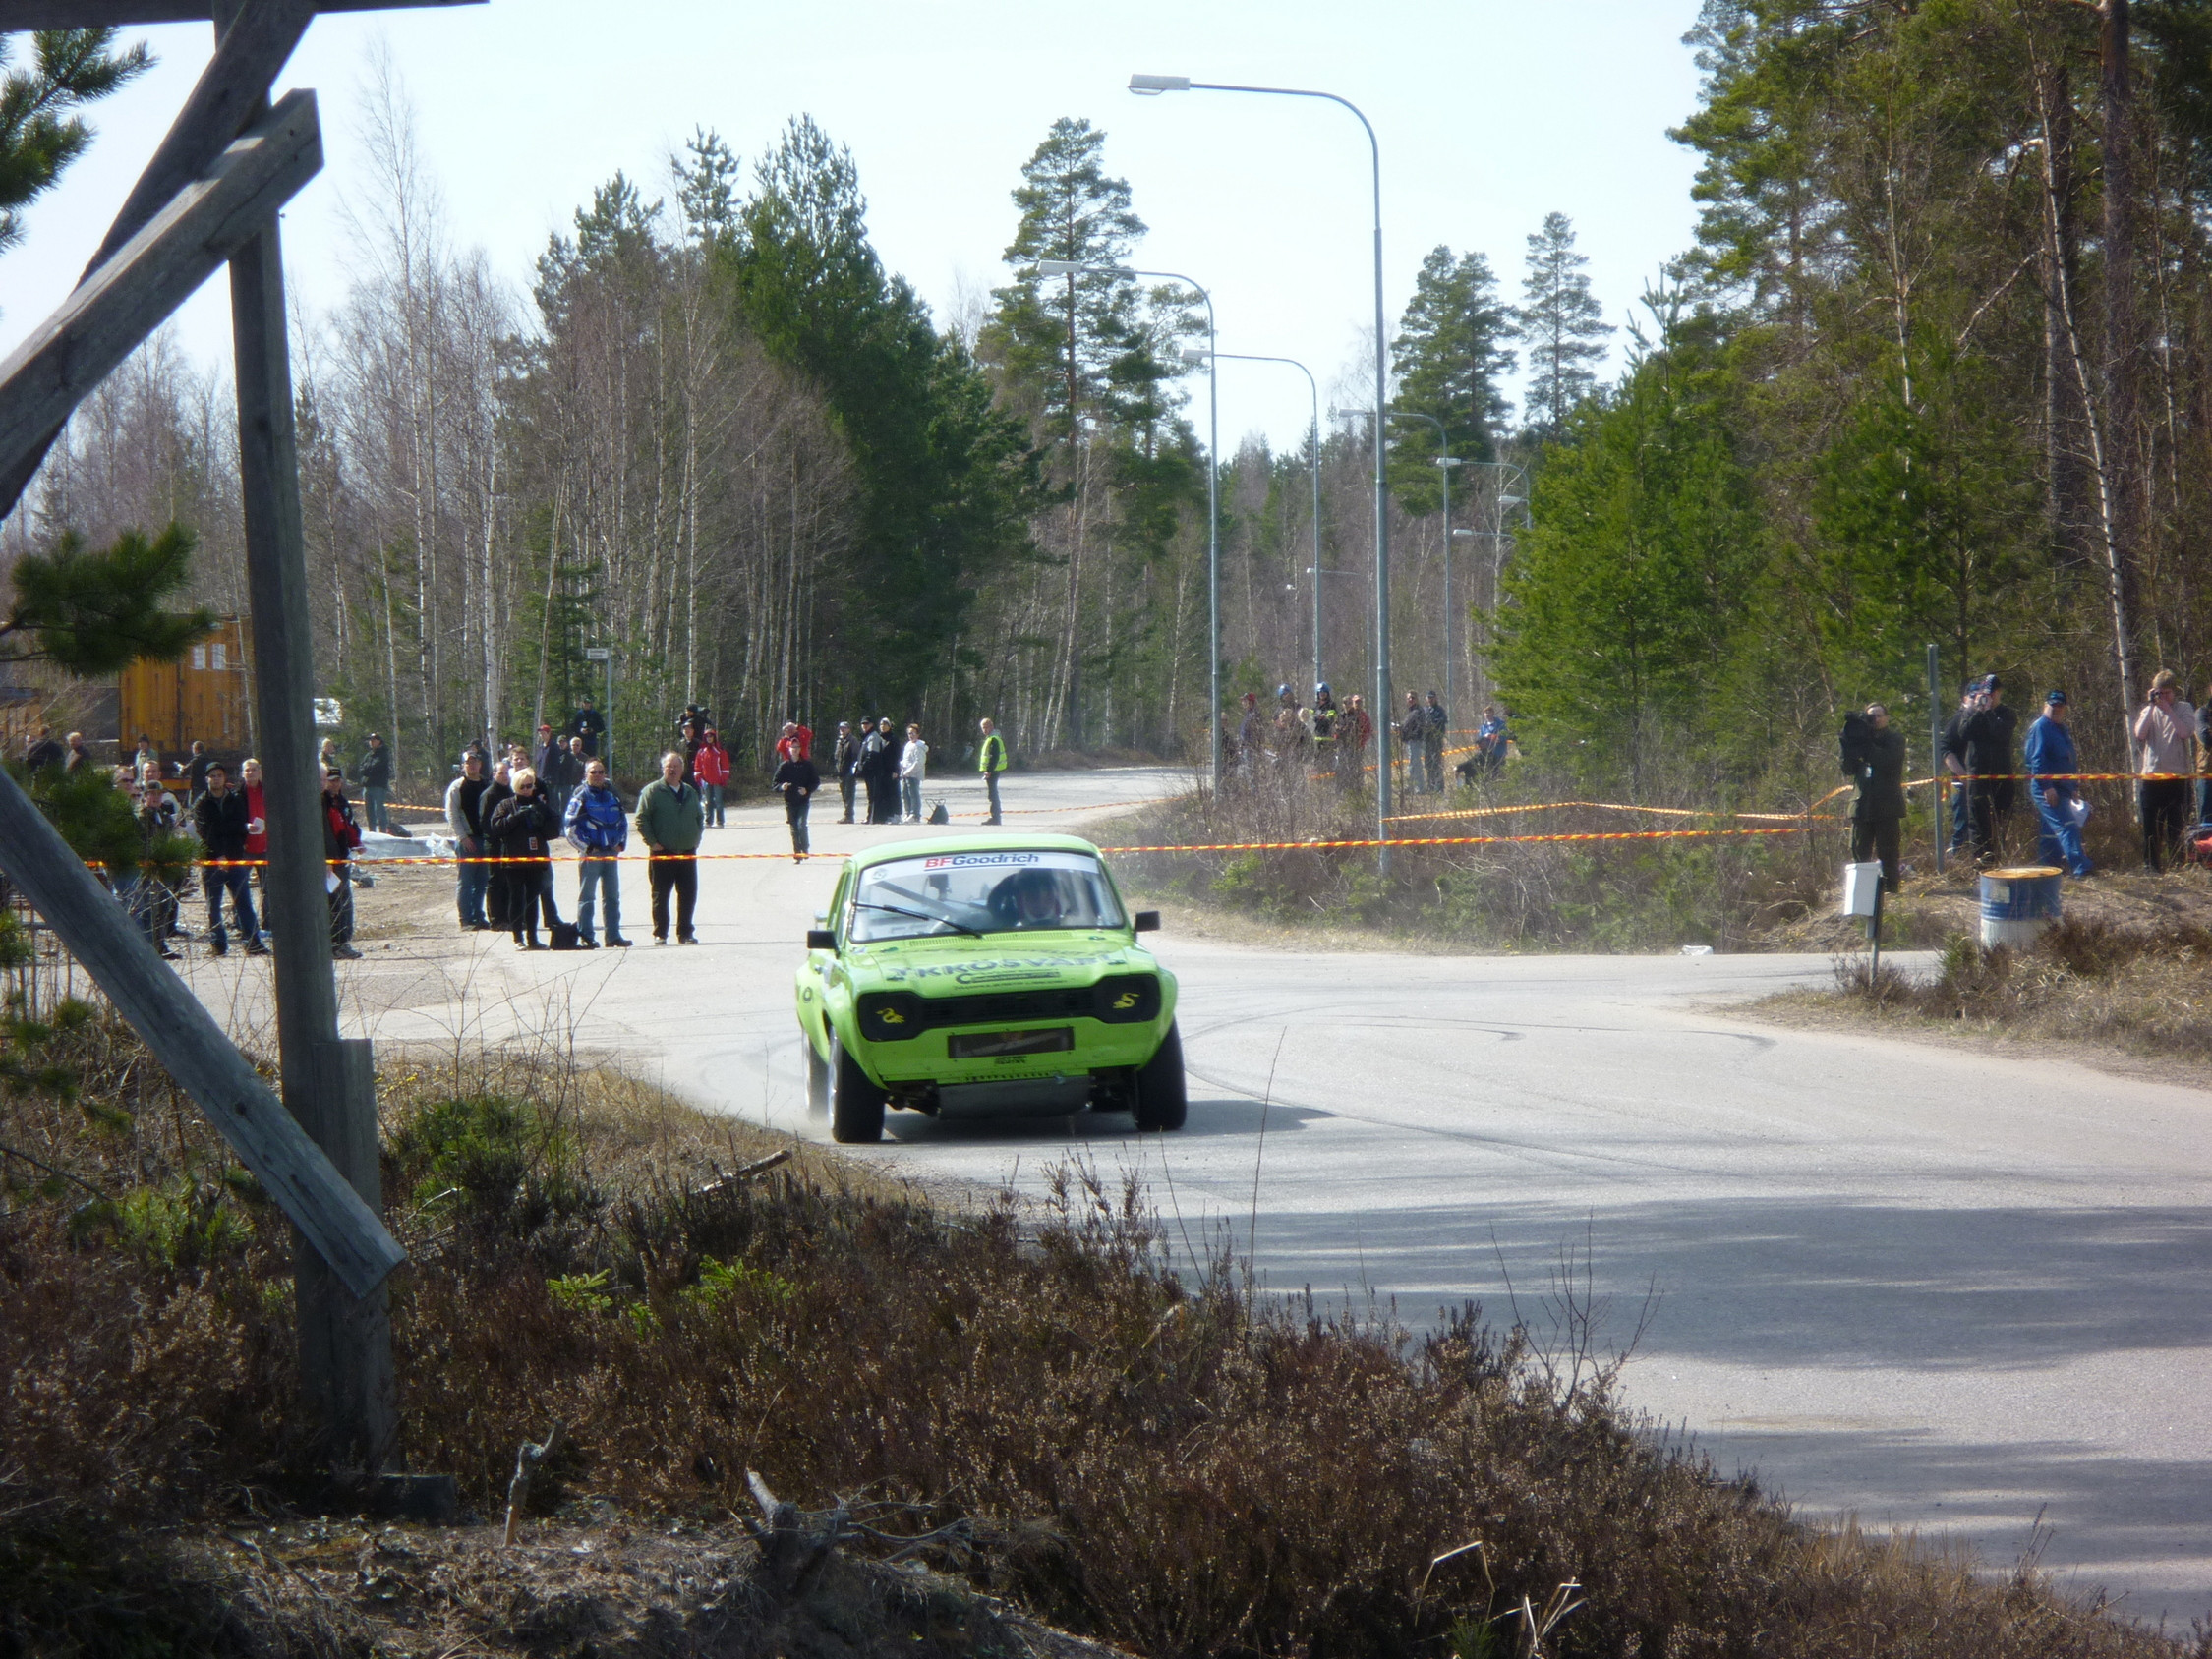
(593, 1581)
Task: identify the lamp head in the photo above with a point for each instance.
(1061, 267)
(1512, 501)
(1153, 85)
(1449, 461)
(1195, 354)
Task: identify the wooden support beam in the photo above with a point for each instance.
(114, 949)
(19, 15)
(151, 275)
(231, 91)
(330, 1086)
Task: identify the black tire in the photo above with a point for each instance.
(1162, 1100)
(817, 1081)
(856, 1104)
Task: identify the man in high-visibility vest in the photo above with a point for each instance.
(990, 761)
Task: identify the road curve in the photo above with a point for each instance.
(1944, 1290)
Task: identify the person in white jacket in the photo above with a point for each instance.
(913, 767)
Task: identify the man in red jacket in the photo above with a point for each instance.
(711, 771)
(341, 839)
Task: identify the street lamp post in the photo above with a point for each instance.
(1152, 85)
(1071, 268)
(1498, 537)
(1313, 387)
(1445, 465)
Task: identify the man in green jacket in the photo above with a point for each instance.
(671, 817)
(990, 761)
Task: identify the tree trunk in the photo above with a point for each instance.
(2123, 473)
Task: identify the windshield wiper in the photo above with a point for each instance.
(919, 916)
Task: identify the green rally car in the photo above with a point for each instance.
(986, 976)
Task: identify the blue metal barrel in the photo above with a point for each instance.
(2019, 903)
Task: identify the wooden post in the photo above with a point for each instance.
(185, 1038)
(345, 1343)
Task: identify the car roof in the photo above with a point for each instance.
(1000, 841)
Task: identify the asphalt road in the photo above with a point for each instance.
(1945, 1291)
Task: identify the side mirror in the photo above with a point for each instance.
(821, 938)
(1145, 921)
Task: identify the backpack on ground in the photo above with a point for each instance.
(938, 813)
(564, 937)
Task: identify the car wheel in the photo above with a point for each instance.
(856, 1104)
(817, 1081)
(1162, 1103)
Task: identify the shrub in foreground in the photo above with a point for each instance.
(1150, 1458)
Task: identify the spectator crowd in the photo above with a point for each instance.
(1984, 761)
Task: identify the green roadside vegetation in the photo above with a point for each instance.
(1031, 1415)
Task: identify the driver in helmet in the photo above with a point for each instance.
(1028, 898)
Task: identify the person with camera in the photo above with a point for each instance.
(1874, 754)
(2165, 733)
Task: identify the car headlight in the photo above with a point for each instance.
(889, 1016)
(1129, 999)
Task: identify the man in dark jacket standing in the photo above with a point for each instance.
(375, 782)
(224, 826)
(796, 780)
(1989, 732)
(879, 770)
(551, 768)
(845, 760)
(1878, 812)
(590, 725)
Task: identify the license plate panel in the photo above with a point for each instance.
(996, 1045)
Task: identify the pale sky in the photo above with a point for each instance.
(1489, 114)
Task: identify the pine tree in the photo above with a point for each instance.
(1559, 319)
(39, 134)
(97, 613)
(1448, 356)
(946, 481)
(1076, 339)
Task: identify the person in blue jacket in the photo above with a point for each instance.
(596, 827)
(2051, 759)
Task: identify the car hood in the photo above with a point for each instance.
(939, 967)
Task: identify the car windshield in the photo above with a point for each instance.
(1019, 890)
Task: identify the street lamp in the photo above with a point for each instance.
(1313, 387)
(1444, 464)
(1504, 503)
(1152, 85)
(1075, 267)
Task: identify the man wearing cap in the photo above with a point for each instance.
(2052, 761)
(2165, 734)
(1988, 733)
(375, 782)
(845, 760)
(551, 763)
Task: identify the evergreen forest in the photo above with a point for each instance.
(1936, 371)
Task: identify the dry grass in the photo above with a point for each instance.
(2145, 989)
(1036, 1399)
(1727, 892)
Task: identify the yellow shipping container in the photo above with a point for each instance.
(203, 695)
